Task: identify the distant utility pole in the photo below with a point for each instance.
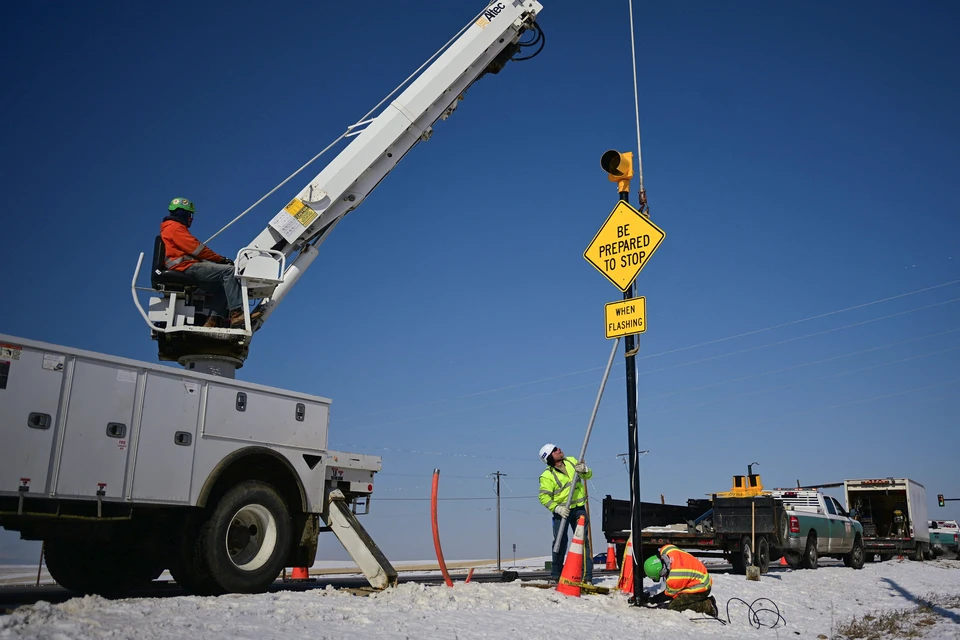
(497, 475)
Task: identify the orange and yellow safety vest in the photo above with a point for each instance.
(687, 574)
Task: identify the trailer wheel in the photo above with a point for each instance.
(247, 538)
(809, 558)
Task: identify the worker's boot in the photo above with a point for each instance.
(711, 607)
(213, 322)
(236, 317)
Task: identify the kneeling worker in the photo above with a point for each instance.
(688, 583)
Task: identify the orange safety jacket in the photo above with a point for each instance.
(687, 574)
(182, 248)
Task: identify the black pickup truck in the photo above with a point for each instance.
(720, 524)
(799, 525)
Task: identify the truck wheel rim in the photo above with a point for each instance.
(251, 537)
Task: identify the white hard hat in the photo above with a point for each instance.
(546, 450)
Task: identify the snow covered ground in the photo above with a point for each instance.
(814, 604)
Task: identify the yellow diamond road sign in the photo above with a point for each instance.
(625, 317)
(623, 245)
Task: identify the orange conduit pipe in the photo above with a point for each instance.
(436, 529)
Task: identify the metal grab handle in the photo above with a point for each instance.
(39, 421)
(116, 429)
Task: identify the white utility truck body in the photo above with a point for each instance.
(893, 512)
(91, 439)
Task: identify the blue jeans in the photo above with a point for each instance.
(560, 557)
(223, 290)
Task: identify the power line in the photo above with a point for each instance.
(794, 384)
(793, 322)
(740, 379)
(662, 353)
(733, 426)
(800, 366)
(803, 337)
(676, 366)
(884, 396)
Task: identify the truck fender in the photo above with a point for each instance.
(227, 465)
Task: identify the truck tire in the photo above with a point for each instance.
(918, 552)
(857, 556)
(247, 538)
(742, 557)
(763, 554)
(110, 570)
(189, 568)
(809, 558)
(784, 530)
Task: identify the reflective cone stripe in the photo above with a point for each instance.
(570, 580)
(626, 572)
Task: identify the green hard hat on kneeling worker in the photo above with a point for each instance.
(652, 566)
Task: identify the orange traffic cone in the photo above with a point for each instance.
(611, 557)
(626, 571)
(783, 561)
(300, 573)
(572, 575)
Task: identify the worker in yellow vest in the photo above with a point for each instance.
(555, 484)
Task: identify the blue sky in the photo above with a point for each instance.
(801, 159)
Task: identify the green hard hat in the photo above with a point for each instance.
(652, 567)
(181, 203)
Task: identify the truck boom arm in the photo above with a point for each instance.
(276, 258)
(379, 143)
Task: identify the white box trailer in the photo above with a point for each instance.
(893, 512)
(125, 468)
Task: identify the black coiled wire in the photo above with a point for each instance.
(753, 614)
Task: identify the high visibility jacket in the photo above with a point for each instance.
(182, 248)
(555, 485)
(687, 574)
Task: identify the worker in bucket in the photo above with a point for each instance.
(687, 584)
(555, 484)
(213, 272)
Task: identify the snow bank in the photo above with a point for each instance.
(813, 603)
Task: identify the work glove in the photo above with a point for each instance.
(226, 261)
(580, 467)
(562, 511)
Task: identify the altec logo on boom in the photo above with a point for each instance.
(494, 11)
(489, 14)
